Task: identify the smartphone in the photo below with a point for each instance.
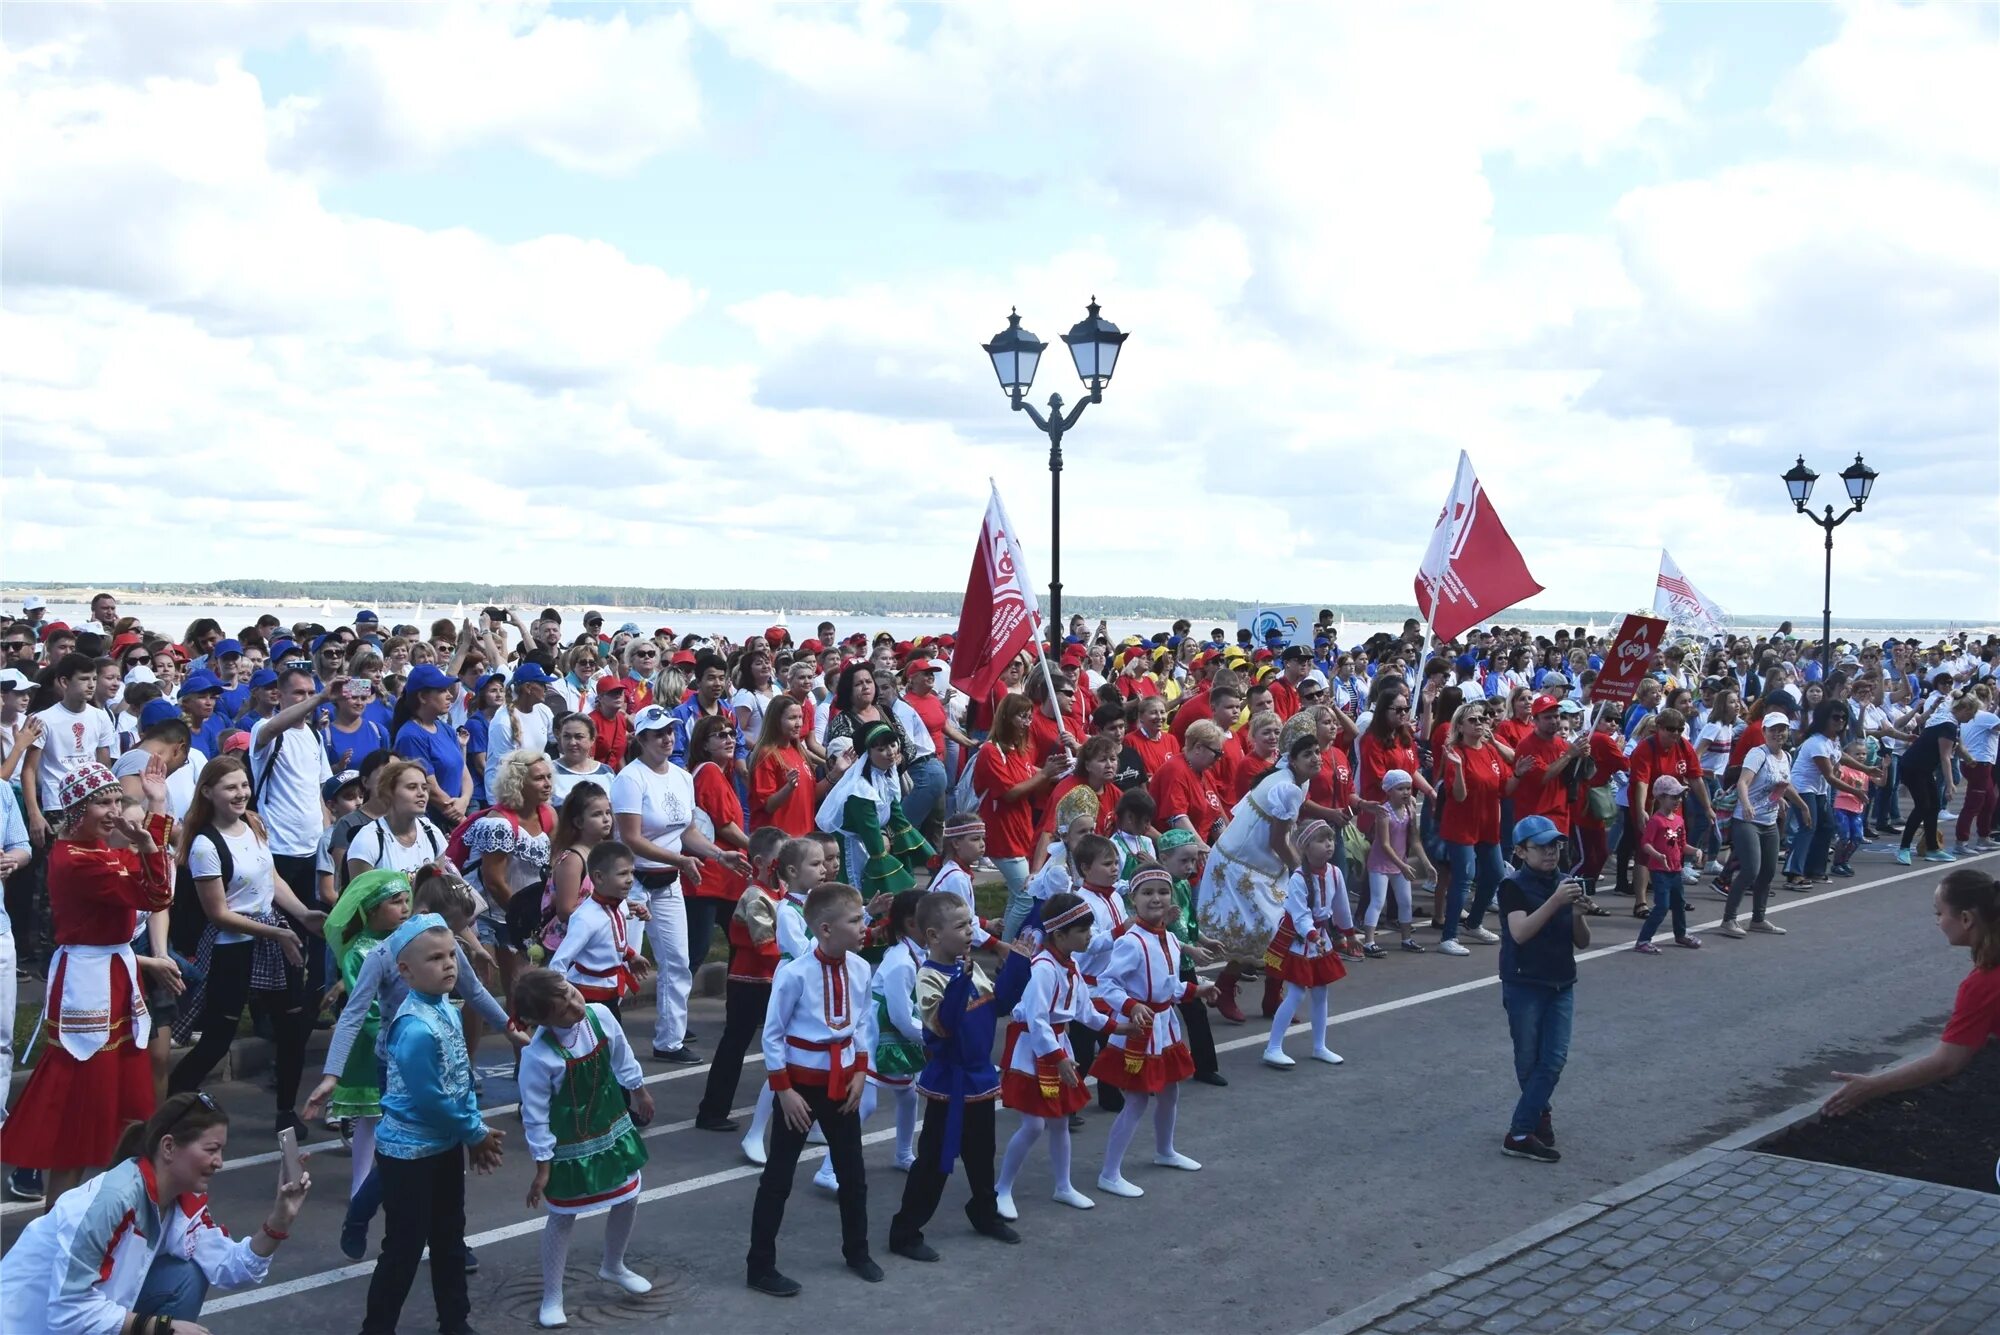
(288, 1146)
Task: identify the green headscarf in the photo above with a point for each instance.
(357, 901)
(1174, 838)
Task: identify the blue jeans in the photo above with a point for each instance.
(1669, 893)
(1467, 862)
(1539, 1019)
(174, 1287)
(927, 785)
(1014, 871)
(1808, 854)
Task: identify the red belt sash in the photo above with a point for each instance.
(837, 1068)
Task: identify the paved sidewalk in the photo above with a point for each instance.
(1726, 1240)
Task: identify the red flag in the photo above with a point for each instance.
(1000, 613)
(1626, 661)
(1472, 570)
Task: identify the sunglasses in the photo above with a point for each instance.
(137, 660)
(1397, 709)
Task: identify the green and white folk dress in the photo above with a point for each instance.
(879, 848)
(573, 1113)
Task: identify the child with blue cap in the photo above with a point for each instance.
(1538, 980)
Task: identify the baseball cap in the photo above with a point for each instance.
(345, 779)
(1569, 707)
(366, 618)
(684, 658)
(126, 640)
(427, 677)
(201, 681)
(1776, 720)
(1668, 786)
(1537, 831)
(530, 674)
(812, 647)
(628, 628)
(652, 718)
(1544, 703)
(157, 712)
(775, 633)
(32, 603)
(1315, 677)
(224, 648)
(608, 683)
(262, 677)
(1396, 778)
(140, 674)
(13, 679)
(917, 665)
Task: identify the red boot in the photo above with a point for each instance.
(1225, 1001)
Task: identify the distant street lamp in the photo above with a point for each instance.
(1093, 345)
(1859, 479)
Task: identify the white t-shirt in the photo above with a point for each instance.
(288, 788)
(1765, 772)
(664, 804)
(1716, 739)
(180, 784)
(1976, 735)
(252, 882)
(376, 845)
(69, 739)
(1806, 776)
(745, 698)
(566, 779)
(536, 726)
(915, 729)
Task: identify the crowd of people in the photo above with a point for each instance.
(542, 820)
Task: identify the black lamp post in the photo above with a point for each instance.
(1093, 345)
(1859, 479)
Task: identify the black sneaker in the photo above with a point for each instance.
(914, 1251)
(296, 1124)
(471, 1262)
(25, 1184)
(1528, 1147)
(714, 1124)
(679, 1056)
(1545, 1130)
(999, 1230)
(775, 1284)
(1216, 1078)
(868, 1270)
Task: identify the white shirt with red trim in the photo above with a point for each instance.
(820, 1028)
(596, 954)
(1056, 995)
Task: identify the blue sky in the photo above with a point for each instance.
(506, 287)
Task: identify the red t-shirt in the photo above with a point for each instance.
(1509, 732)
(1153, 751)
(716, 796)
(1194, 708)
(1284, 697)
(1178, 791)
(1607, 757)
(1476, 820)
(1534, 795)
(1044, 735)
(930, 709)
(1010, 826)
(612, 735)
(1753, 735)
(795, 815)
(1975, 1014)
(1333, 786)
(1666, 836)
(1379, 757)
(1107, 804)
(1649, 761)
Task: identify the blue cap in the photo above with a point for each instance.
(224, 648)
(157, 712)
(199, 681)
(427, 677)
(365, 618)
(487, 679)
(278, 647)
(628, 628)
(319, 642)
(263, 677)
(331, 788)
(1537, 831)
(529, 673)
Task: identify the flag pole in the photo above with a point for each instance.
(1049, 681)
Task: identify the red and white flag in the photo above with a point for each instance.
(1472, 570)
(1677, 599)
(1000, 613)
(1626, 661)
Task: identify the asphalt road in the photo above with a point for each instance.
(1322, 1186)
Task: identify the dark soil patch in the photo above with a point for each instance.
(1948, 1133)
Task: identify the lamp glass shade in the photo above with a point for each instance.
(1799, 482)
(1015, 353)
(1860, 480)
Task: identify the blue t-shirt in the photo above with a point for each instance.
(346, 750)
(233, 702)
(437, 750)
(381, 715)
(208, 740)
(475, 745)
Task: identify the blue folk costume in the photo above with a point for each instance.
(879, 848)
(960, 1014)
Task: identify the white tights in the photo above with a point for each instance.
(555, 1244)
(1024, 1140)
(1288, 1009)
(1126, 1125)
(1379, 884)
(361, 1137)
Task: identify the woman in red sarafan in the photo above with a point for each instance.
(94, 1076)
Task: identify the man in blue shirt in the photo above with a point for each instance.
(711, 683)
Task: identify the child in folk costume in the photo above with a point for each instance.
(575, 1077)
(93, 1076)
(899, 1034)
(1180, 853)
(801, 866)
(753, 958)
(369, 910)
(818, 1035)
(1142, 982)
(1303, 951)
(1042, 1080)
(596, 955)
(1243, 887)
(1096, 860)
(964, 847)
(959, 1083)
(1076, 816)
(1136, 810)
(879, 848)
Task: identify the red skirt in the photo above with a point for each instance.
(72, 1113)
(1156, 1070)
(1312, 971)
(1023, 1093)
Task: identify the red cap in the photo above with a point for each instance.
(776, 634)
(920, 665)
(127, 638)
(1544, 703)
(667, 631)
(900, 648)
(610, 682)
(53, 627)
(1262, 656)
(812, 647)
(1076, 653)
(948, 641)
(856, 638)
(175, 651)
(685, 658)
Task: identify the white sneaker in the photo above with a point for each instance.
(1480, 934)
(1766, 927)
(1003, 1205)
(1452, 948)
(1278, 1061)
(1176, 1159)
(1732, 929)
(627, 1279)
(552, 1314)
(1075, 1199)
(1329, 1056)
(1118, 1186)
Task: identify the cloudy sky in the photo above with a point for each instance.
(693, 295)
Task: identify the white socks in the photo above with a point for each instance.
(906, 1126)
(1123, 1128)
(361, 1139)
(1288, 1007)
(760, 1124)
(555, 1256)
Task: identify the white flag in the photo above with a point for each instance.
(1679, 601)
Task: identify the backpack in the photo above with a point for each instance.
(186, 917)
(526, 917)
